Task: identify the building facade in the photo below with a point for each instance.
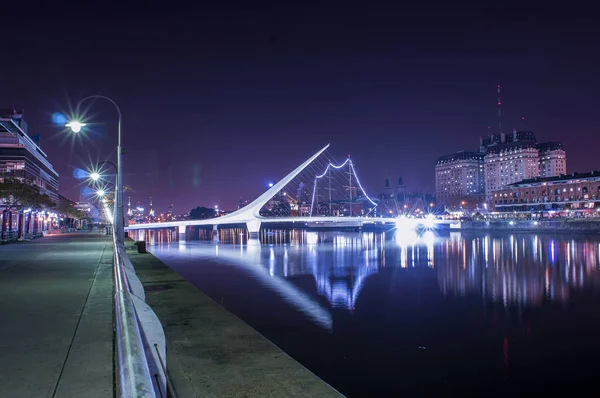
(576, 191)
(21, 157)
(503, 159)
(458, 175)
(506, 164)
(553, 159)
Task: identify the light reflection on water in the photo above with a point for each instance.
(434, 309)
(522, 269)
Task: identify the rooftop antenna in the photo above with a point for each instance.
(499, 111)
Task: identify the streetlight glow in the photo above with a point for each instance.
(94, 176)
(119, 219)
(100, 192)
(75, 126)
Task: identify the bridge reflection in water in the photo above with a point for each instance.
(521, 270)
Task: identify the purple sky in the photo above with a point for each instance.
(219, 100)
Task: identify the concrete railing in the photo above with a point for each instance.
(141, 369)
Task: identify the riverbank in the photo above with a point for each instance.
(211, 352)
(577, 225)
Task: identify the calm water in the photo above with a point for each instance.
(399, 314)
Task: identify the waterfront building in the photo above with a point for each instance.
(503, 159)
(553, 159)
(458, 175)
(137, 215)
(21, 156)
(508, 163)
(574, 192)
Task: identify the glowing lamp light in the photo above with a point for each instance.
(270, 184)
(405, 224)
(95, 176)
(429, 221)
(100, 192)
(75, 126)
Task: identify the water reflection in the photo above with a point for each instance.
(519, 270)
(382, 304)
(524, 269)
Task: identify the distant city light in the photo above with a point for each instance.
(429, 221)
(404, 223)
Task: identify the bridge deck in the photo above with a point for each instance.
(56, 335)
(299, 220)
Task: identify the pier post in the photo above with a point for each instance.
(182, 233)
(253, 228)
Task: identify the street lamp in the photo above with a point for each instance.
(100, 193)
(94, 176)
(76, 127)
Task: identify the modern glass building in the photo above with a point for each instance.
(21, 156)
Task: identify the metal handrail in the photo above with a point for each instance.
(133, 374)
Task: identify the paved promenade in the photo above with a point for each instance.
(56, 337)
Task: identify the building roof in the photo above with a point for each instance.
(507, 138)
(550, 146)
(525, 144)
(562, 177)
(462, 155)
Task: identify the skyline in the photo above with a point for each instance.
(394, 88)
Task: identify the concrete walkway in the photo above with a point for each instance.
(56, 334)
(211, 352)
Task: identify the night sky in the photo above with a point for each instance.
(222, 98)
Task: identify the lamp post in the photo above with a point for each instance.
(76, 127)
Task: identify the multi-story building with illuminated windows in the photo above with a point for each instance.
(553, 159)
(572, 192)
(503, 159)
(509, 163)
(21, 156)
(459, 175)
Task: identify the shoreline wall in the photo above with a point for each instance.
(563, 225)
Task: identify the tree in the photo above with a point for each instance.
(21, 194)
(202, 213)
(67, 208)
